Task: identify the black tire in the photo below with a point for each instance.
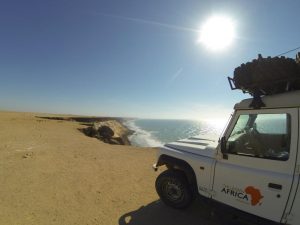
(173, 189)
(268, 75)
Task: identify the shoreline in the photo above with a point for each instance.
(142, 137)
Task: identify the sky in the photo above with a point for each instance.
(133, 58)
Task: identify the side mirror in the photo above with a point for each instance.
(224, 149)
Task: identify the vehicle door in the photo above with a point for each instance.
(256, 174)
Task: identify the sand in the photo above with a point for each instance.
(50, 173)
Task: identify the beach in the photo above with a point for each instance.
(51, 173)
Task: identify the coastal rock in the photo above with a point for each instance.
(106, 132)
(110, 131)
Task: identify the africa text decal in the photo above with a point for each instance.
(250, 194)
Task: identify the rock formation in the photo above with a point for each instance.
(110, 131)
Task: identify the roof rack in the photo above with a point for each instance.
(288, 83)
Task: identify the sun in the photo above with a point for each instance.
(217, 33)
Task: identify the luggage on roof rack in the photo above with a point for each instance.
(267, 76)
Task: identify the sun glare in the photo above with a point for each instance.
(217, 33)
(217, 123)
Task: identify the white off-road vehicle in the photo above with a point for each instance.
(253, 167)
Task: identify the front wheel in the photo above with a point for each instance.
(174, 189)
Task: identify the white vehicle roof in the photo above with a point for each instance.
(289, 99)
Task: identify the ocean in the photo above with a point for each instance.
(157, 132)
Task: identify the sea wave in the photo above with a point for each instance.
(140, 137)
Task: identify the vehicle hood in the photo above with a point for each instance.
(202, 145)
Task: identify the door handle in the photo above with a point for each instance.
(275, 186)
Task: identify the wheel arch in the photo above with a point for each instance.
(179, 164)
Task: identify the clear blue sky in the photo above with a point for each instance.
(132, 58)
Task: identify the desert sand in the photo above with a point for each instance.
(50, 173)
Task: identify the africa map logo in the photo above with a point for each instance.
(255, 195)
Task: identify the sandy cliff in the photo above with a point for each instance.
(51, 173)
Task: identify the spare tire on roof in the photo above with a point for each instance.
(266, 76)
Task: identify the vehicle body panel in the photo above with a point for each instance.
(198, 145)
(292, 215)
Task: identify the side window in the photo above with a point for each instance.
(262, 136)
(271, 123)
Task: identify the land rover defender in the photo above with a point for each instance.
(254, 166)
